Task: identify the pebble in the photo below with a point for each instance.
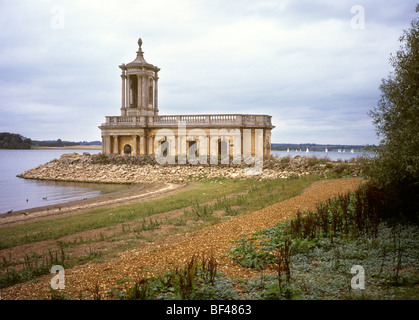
(84, 168)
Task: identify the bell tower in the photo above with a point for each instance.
(139, 86)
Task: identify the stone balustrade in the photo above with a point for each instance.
(199, 120)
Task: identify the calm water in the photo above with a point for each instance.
(334, 156)
(14, 191)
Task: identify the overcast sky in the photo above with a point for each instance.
(314, 65)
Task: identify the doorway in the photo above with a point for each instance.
(127, 149)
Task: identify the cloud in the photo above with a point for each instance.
(299, 61)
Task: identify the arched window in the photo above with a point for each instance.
(222, 148)
(127, 149)
(150, 96)
(192, 148)
(164, 147)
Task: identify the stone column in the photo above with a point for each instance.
(150, 145)
(123, 90)
(156, 95)
(142, 146)
(208, 146)
(139, 84)
(134, 145)
(127, 88)
(115, 144)
(241, 142)
(106, 148)
(144, 102)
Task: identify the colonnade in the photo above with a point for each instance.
(113, 144)
(139, 90)
(146, 144)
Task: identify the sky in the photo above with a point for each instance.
(315, 66)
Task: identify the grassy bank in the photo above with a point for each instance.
(100, 233)
(321, 254)
(343, 250)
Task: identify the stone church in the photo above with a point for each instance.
(140, 130)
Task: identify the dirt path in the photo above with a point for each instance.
(176, 250)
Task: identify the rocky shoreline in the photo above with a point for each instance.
(99, 168)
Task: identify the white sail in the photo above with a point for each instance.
(307, 150)
(325, 150)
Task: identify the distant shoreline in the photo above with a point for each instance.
(86, 147)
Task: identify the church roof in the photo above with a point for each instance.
(139, 61)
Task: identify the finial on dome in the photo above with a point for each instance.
(140, 43)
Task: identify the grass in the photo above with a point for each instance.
(299, 269)
(198, 279)
(34, 265)
(309, 257)
(52, 229)
(98, 218)
(127, 225)
(317, 250)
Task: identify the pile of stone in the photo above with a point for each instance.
(139, 169)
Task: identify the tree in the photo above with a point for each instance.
(396, 117)
(14, 141)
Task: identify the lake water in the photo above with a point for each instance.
(334, 156)
(20, 194)
(15, 191)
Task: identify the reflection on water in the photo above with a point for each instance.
(44, 193)
(20, 194)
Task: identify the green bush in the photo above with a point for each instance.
(395, 165)
(246, 255)
(325, 244)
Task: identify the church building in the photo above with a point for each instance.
(140, 130)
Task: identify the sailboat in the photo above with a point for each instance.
(325, 150)
(307, 150)
(288, 150)
(352, 150)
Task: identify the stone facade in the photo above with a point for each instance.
(140, 130)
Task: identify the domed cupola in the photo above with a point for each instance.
(139, 86)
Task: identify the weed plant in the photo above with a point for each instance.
(314, 252)
(34, 265)
(244, 196)
(198, 279)
(145, 225)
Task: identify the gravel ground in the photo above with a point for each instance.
(98, 278)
